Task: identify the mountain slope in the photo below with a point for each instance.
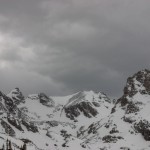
(84, 120)
(128, 125)
(39, 117)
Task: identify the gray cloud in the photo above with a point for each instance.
(65, 46)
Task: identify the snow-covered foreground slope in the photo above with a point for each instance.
(84, 120)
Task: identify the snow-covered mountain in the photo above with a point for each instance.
(128, 125)
(85, 120)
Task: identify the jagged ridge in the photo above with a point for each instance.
(84, 120)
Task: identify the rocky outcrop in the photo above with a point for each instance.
(2, 108)
(132, 108)
(45, 100)
(111, 139)
(128, 119)
(8, 128)
(52, 123)
(96, 104)
(85, 107)
(30, 126)
(87, 103)
(9, 104)
(138, 83)
(17, 96)
(143, 127)
(14, 121)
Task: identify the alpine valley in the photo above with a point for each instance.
(82, 121)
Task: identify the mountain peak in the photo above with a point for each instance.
(139, 82)
(17, 96)
(87, 103)
(17, 89)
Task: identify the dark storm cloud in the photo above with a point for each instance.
(64, 46)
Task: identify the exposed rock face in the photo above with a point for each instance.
(45, 100)
(30, 126)
(14, 115)
(52, 123)
(128, 119)
(132, 108)
(143, 127)
(85, 107)
(9, 104)
(2, 108)
(86, 103)
(17, 96)
(14, 121)
(8, 128)
(111, 139)
(96, 104)
(124, 148)
(138, 83)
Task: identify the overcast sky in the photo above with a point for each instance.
(63, 46)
